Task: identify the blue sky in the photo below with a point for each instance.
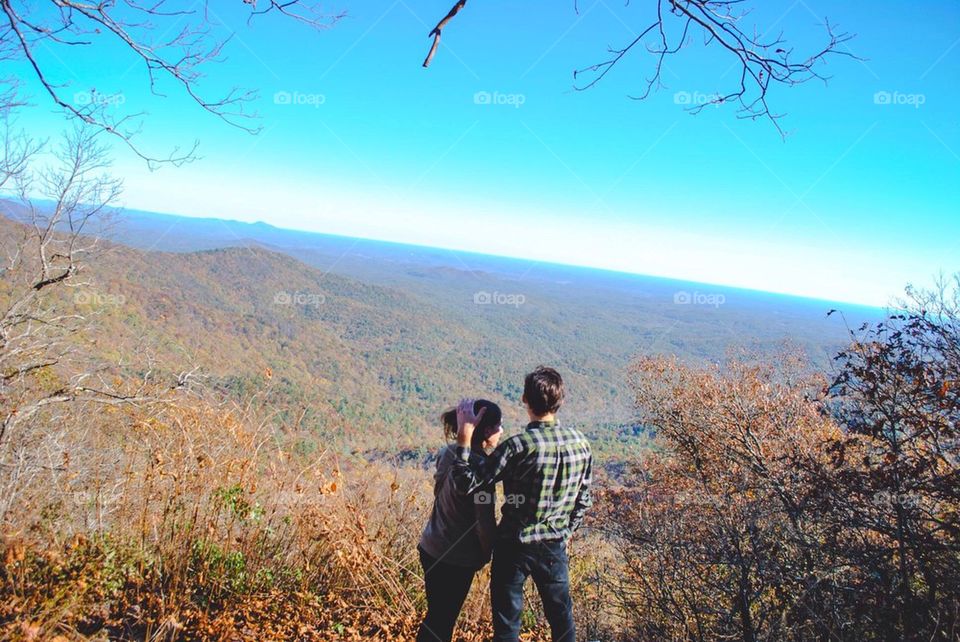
(860, 200)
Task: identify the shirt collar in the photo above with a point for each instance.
(534, 425)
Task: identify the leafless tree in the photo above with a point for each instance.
(45, 251)
(763, 61)
(174, 40)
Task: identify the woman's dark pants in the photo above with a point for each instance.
(447, 587)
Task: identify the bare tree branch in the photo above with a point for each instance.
(763, 62)
(46, 251)
(198, 42)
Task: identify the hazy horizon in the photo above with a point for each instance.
(492, 150)
(140, 211)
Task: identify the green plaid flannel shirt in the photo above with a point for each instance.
(546, 472)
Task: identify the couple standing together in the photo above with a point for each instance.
(546, 475)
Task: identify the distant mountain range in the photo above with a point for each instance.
(365, 342)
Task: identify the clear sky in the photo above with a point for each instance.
(861, 199)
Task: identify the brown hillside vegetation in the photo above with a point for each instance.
(767, 512)
(787, 507)
(191, 522)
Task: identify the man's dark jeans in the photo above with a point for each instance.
(548, 564)
(447, 587)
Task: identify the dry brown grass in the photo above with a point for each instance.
(186, 521)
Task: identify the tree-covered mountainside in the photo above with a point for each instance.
(363, 343)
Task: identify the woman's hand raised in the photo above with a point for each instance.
(467, 421)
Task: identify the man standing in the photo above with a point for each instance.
(546, 472)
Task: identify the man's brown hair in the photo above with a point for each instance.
(543, 391)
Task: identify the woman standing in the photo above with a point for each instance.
(458, 537)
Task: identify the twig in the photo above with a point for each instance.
(440, 25)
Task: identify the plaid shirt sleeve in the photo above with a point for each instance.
(584, 497)
(469, 479)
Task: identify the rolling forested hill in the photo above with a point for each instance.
(363, 343)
